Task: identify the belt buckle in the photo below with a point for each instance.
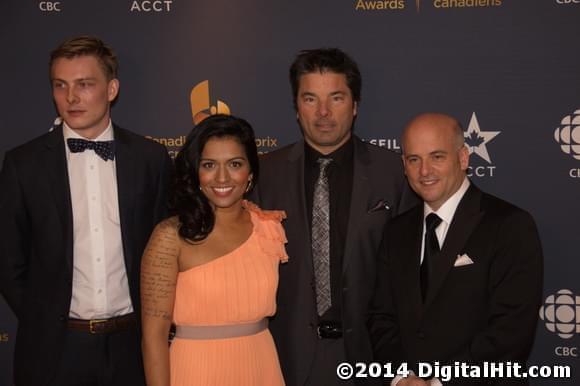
(327, 330)
(93, 323)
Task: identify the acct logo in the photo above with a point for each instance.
(151, 5)
(476, 141)
(200, 103)
(568, 134)
(561, 313)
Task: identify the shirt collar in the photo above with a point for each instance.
(447, 210)
(340, 156)
(106, 135)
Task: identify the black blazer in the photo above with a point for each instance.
(36, 242)
(485, 311)
(378, 180)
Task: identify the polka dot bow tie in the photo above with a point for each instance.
(104, 149)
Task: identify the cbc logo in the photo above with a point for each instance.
(561, 312)
(566, 351)
(568, 133)
(568, 1)
(50, 6)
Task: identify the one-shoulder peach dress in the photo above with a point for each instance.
(237, 288)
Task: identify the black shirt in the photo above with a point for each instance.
(339, 173)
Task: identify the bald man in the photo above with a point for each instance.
(460, 276)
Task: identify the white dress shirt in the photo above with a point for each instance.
(446, 213)
(100, 286)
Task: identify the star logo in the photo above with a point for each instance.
(477, 140)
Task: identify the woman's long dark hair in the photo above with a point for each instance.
(188, 202)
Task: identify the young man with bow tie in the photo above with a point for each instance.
(77, 206)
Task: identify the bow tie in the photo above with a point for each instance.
(104, 149)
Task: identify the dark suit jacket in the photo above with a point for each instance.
(36, 242)
(486, 311)
(377, 175)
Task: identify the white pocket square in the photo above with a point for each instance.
(462, 260)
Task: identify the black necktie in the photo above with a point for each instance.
(321, 238)
(431, 249)
(104, 149)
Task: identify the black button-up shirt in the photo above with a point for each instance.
(339, 173)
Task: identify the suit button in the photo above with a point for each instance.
(62, 318)
(348, 330)
(420, 334)
(344, 289)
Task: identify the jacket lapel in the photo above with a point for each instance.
(409, 247)
(466, 218)
(126, 182)
(296, 175)
(52, 164)
(360, 198)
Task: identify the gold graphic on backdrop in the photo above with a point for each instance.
(379, 5)
(200, 103)
(399, 5)
(445, 4)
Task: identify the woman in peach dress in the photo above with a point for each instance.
(213, 268)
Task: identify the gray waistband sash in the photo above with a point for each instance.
(221, 332)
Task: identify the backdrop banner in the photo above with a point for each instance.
(509, 70)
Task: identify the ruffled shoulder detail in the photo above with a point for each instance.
(268, 228)
(276, 215)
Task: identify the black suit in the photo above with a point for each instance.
(36, 249)
(485, 311)
(377, 176)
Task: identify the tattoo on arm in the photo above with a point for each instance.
(159, 273)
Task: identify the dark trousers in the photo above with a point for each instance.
(329, 353)
(112, 359)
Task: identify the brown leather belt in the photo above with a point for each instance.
(104, 326)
